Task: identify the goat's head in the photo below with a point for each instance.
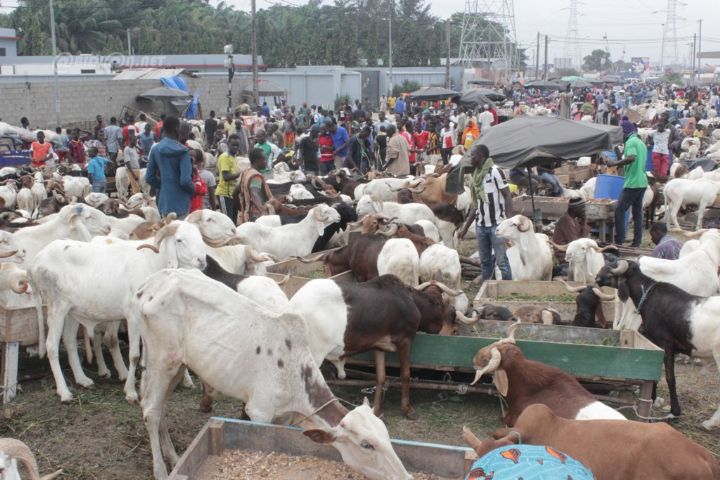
(185, 244)
(85, 217)
(216, 229)
(374, 223)
(10, 251)
(494, 359)
(324, 215)
(609, 276)
(442, 315)
(516, 229)
(364, 443)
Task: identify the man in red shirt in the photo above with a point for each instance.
(128, 130)
(420, 139)
(76, 148)
(41, 151)
(327, 149)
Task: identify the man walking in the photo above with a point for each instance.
(491, 197)
(169, 171)
(211, 126)
(397, 153)
(634, 159)
(341, 140)
(228, 173)
(113, 137)
(253, 191)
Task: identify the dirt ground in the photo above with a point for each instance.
(100, 436)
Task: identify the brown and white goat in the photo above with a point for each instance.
(524, 382)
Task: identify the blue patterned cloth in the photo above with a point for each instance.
(528, 462)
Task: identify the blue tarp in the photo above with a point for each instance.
(179, 83)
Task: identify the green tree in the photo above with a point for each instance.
(597, 60)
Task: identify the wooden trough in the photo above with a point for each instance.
(617, 359)
(301, 273)
(221, 434)
(18, 327)
(513, 294)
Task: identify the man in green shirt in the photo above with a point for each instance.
(228, 174)
(634, 159)
(262, 143)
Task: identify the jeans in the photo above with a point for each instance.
(99, 186)
(557, 189)
(629, 197)
(487, 242)
(326, 168)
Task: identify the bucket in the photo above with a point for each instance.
(609, 186)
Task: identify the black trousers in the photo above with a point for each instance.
(629, 198)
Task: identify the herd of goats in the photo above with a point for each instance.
(194, 294)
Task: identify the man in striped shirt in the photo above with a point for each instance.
(491, 196)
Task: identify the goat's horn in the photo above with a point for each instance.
(417, 190)
(390, 232)
(284, 280)
(154, 248)
(511, 333)
(622, 267)
(448, 290)
(603, 296)
(526, 223)
(571, 288)
(8, 254)
(603, 249)
(492, 365)
(560, 248)
(467, 320)
(311, 259)
(253, 255)
(19, 283)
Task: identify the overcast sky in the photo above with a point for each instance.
(632, 29)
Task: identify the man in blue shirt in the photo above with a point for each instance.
(400, 106)
(169, 171)
(341, 140)
(96, 170)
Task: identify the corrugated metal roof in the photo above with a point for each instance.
(147, 73)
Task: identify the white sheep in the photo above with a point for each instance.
(400, 258)
(679, 192)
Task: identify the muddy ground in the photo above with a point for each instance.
(100, 436)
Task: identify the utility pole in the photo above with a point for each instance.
(545, 68)
(699, 50)
(390, 63)
(56, 89)
(537, 57)
(253, 47)
(447, 58)
(694, 52)
(129, 43)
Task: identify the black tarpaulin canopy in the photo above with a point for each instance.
(491, 94)
(546, 84)
(474, 97)
(433, 93)
(530, 141)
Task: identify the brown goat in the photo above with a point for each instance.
(524, 382)
(612, 450)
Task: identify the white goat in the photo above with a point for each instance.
(430, 230)
(299, 192)
(530, 256)
(8, 193)
(585, 260)
(12, 451)
(93, 283)
(442, 264)
(289, 240)
(679, 192)
(252, 354)
(78, 187)
(384, 189)
(240, 259)
(400, 258)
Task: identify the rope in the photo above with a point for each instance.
(297, 424)
(634, 407)
(644, 296)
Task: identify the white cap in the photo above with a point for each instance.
(486, 106)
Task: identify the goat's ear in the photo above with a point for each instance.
(500, 379)
(623, 290)
(318, 435)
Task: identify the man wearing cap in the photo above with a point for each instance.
(571, 226)
(634, 160)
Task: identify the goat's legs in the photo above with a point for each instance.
(110, 339)
(69, 337)
(670, 378)
(133, 357)
(103, 371)
(166, 444)
(56, 318)
(701, 215)
(379, 381)
(403, 351)
(714, 421)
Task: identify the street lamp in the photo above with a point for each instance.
(230, 65)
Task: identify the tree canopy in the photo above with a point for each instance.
(342, 33)
(597, 60)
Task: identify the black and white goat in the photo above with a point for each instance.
(672, 319)
(588, 305)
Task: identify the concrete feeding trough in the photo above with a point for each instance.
(301, 273)
(222, 434)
